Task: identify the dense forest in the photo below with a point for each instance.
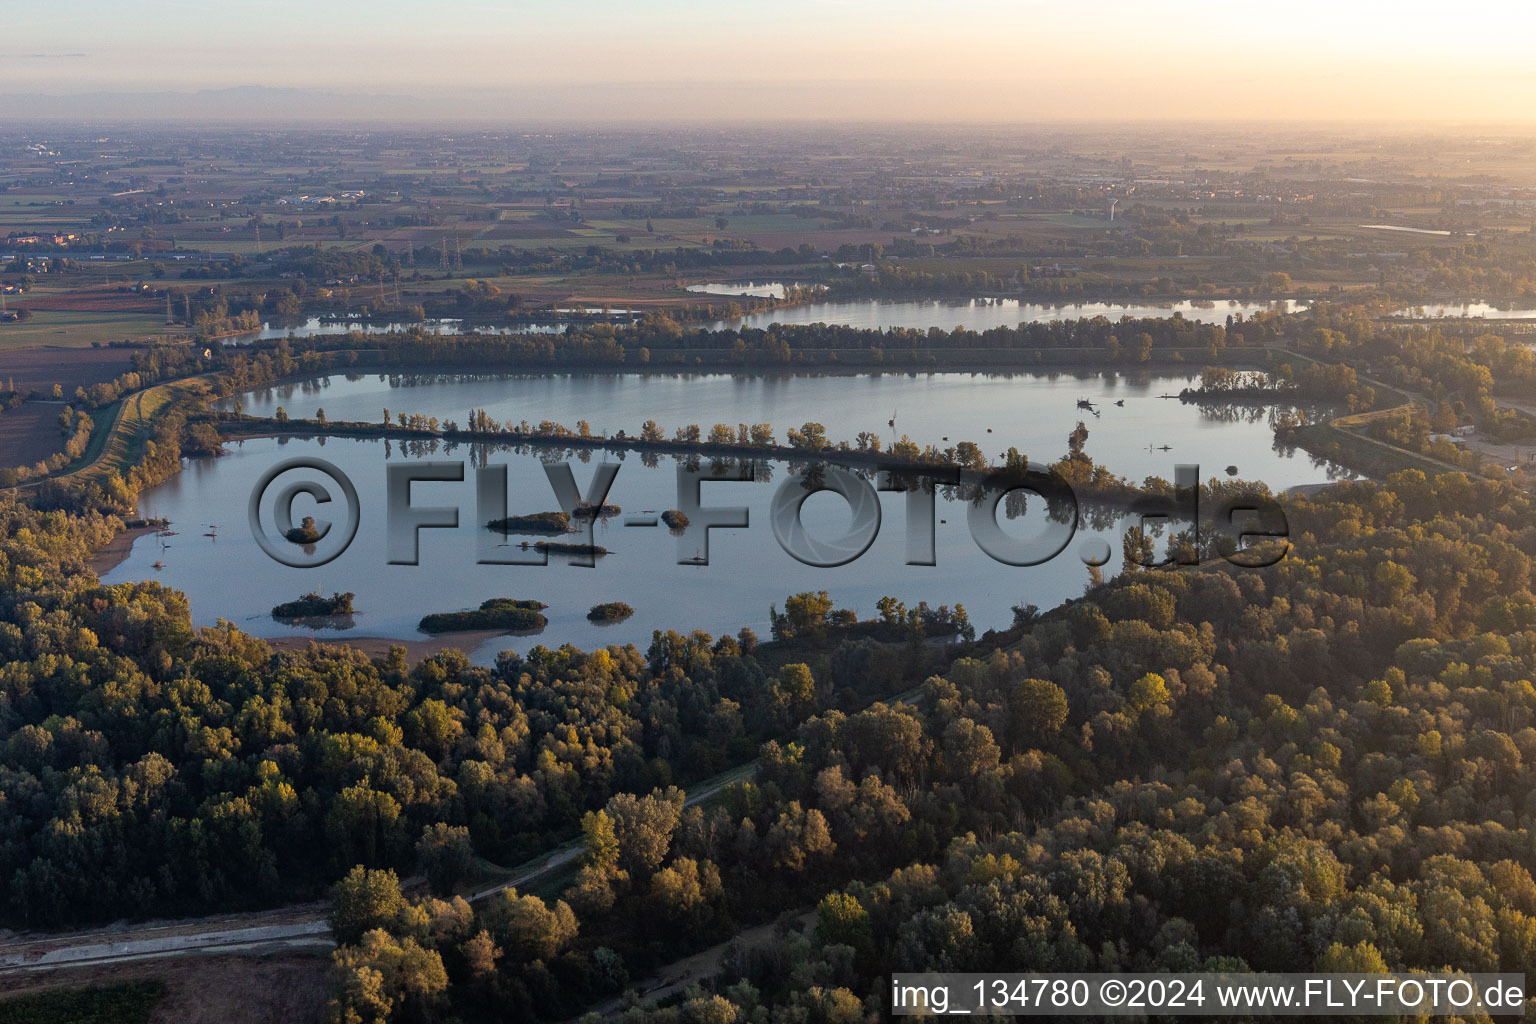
(1320, 766)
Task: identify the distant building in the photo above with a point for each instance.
(58, 239)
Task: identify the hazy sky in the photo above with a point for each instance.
(966, 60)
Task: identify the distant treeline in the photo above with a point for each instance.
(659, 339)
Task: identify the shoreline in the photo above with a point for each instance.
(115, 552)
(416, 649)
(831, 362)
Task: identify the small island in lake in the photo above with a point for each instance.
(561, 547)
(613, 611)
(315, 606)
(305, 532)
(497, 613)
(675, 519)
(597, 511)
(539, 522)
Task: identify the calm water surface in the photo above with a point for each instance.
(1485, 310)
(314, 326)
(1032, 412)
(984, 314)
(736, 289)
(227, 576)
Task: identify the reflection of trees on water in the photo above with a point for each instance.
(1015, 503)
(417, 380)
(1098, 518)
(1330, 469)
(1232, 412)
(319, 622)
(1271, 413)
(722, 466)
(313, 386)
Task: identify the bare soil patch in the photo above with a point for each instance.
(41, 367)
(207, 990)
(378, 646)
(29, 432)
(116, 550)
(97, 300)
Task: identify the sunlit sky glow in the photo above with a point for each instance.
(891, 59)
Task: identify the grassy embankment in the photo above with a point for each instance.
(117, 443)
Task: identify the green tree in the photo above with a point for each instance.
(383, 973)
(1038, 711)
(796, 689)
(807, 612)
(365, 899)
(643, 827)
(445, 855)
(1146, 693)
(526, 928)
(842, 919)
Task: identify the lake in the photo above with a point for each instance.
(984, 314)
(321, 326)
(748, 570)
(1484, 310)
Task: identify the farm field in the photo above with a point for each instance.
(81, 330)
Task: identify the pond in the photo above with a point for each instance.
(748, 570)
(739, 289)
